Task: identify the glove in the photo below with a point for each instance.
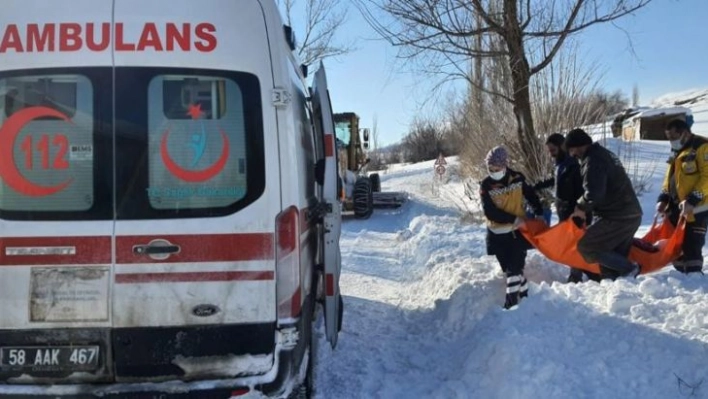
(686, 209)
(661, 207)
(579, 213)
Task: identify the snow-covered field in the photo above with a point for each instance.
(423, 316)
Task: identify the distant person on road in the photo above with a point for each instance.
(503, 193)
(609, 194)
(568, 185)
(685, 192)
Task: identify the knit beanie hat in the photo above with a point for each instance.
(577, 138)
(497, 156)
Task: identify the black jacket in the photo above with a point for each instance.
(569, 185)
(608, 191)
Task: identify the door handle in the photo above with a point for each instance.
(157, 249)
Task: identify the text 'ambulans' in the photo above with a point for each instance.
(72, 37)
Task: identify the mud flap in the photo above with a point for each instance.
(333, 216)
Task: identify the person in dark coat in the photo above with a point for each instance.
(609, 194)
(504, 194)
(568, 185)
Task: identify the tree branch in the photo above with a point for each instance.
(322, 21)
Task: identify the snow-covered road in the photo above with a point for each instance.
(423, 316)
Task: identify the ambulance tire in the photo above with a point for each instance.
(341, 313)
(375, 182)
(363, 198)
(306, 390)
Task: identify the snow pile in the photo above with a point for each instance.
(423, 314)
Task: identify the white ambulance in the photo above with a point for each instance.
(169, 217)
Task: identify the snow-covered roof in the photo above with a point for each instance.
(691, 96)
(654, 112)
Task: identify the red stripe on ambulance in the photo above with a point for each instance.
(71, 36)
(329, 145)
(329, 284)
(200, 248)
(23, 251)
(193, 277)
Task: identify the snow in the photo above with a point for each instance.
(694, 99)
(661, 111)
(423, 315)
(224, 366)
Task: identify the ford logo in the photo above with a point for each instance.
(205, 310)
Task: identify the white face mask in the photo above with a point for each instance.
(676, 144)
(497, 175)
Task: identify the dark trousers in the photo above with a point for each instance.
(510, 250)
(691, 261)
(607, 242)
(564, 212)
(512, 260)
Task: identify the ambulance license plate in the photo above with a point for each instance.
(51, 358)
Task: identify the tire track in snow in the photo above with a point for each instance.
(399, 273)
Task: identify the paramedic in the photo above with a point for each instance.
(609, 194)
(568, 188)
(685, 192)
(503, 193)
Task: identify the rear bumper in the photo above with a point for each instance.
(270, 385)
(120, 392)
(146, 354)
(133, 356)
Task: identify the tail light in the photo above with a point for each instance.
(287, 266)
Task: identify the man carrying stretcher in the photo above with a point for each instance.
(609, 194)
(685, 192)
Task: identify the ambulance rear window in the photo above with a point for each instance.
(201, 142)
(46, 143)
(189, 142)
(98, 143)
(58, 93)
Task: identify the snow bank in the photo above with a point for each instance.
(423, 314)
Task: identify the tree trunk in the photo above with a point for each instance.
(521, 78)
(478, 76)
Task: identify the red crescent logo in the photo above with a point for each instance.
(195, 176)
(8, 135)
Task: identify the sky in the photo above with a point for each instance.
(668, 52)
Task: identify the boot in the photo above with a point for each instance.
(524, 289)
(687, 267)
(575, 276)
(634, 272)
(512, 301)
(513, 287)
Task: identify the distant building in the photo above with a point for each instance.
(649, 124)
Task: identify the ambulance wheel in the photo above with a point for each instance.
(363, 198)
(306, 390)
(375, 182)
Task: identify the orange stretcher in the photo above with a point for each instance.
(660, 246)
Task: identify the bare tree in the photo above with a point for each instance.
(442, 35)
(316, 36)
(566, 94)
(375, 133)
(375, 154)
(425, 141)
